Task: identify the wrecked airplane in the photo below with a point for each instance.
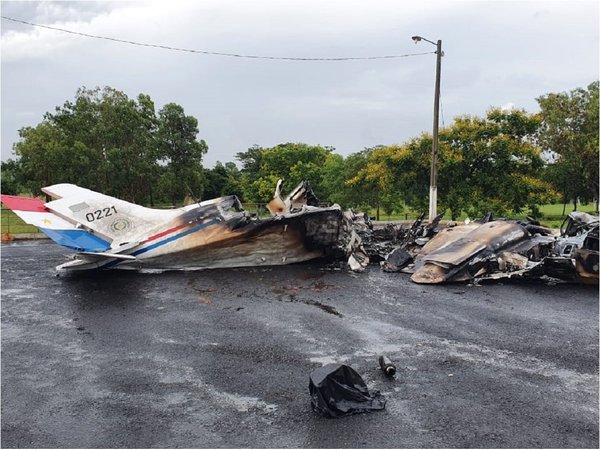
(496, 249)
(105, 232)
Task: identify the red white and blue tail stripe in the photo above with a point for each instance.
(33, 212)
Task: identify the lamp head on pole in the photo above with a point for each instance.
(418, 39)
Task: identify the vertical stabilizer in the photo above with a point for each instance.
(116, 220)
(35, 213)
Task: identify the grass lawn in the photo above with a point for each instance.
(12, 224)
(551, 214)
(556, 210)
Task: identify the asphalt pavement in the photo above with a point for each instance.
(222, 358)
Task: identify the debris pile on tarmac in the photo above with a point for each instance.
(495, 249)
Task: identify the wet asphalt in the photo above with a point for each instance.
(221, 358)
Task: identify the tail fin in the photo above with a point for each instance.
(34, 212)
(84, 220)
(115, 220)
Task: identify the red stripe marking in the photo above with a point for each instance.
(164, 233)
(23, 203)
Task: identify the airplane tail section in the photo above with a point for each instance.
(64, 233)
(115, 220)
(87, 221)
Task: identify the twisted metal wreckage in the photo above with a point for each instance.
(105, 232)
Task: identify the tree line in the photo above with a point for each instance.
(506, 162)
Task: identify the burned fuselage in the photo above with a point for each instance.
(462, 253)
(105, 232)
(502, 249)
(220, 238)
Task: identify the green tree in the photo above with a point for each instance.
(569, 131)
(223, 179)
(484, 164)
(117, 136)
(250, 161)
(81, 125)
(333, 185)
(10, 177)
(180, 150)
(294, 162)
(110, 143)
(354, 194)
(373, 180)
(131, 158)
(493, 164)
(45, 158)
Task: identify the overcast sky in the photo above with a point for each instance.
(497, 53)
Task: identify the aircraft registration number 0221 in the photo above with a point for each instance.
(100, 213)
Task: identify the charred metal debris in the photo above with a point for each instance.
(488, 249)
(485, 249)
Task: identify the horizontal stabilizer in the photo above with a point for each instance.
(103, 255)
(23, 203)
(78, 240)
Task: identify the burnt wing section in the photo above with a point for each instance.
(492, 249)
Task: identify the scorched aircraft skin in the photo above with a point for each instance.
(494, 249)
(105, 232)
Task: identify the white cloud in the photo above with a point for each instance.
(496, 51)
(275, 27)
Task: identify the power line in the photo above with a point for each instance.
(204, 52)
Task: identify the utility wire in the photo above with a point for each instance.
(234, 55)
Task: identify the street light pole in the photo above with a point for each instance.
(436, 120)
(434, 147)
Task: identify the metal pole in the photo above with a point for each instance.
(434, 147)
